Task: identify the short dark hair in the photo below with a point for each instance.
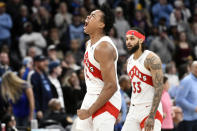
(165, 79)
(143, 33)
(108, 18)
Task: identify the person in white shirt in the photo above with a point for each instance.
(30, 38)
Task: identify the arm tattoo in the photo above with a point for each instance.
(154, 64)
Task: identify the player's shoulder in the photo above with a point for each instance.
(152, 59)
(152, 55)
(104, 46)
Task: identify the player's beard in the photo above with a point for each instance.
(134, 49)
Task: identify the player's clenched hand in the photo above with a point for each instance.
(149, 124)
(83, 114)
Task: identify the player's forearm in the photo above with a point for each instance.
(156, 101)
(107, 92)
(158, 84)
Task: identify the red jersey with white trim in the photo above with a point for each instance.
(141, 80)
(93, 77)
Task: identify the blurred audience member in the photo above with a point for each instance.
(120, 24)
(177, 19)
(4, 63)
(31, 51)
(5, 25)
(10, 122)
(23, 17)
(56, 114)
(62, 18)
(163, 46)
(28, 65)
(173, 79)
(21, 95)
(162, 9)
(183, 50)
(125, 85)
(52, 53)
(75, 47)
(69, 62)
(168, 114)
(42, 21)
(187, 100)
(192, 37)
(36, 6)
(30, 38)
(154, 33)
(117, 41)
(72, 92)
(55, 71)
(75, 29)
(41, 86)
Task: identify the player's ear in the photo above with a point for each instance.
(141, 41)
(101, 25)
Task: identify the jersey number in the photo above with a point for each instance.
(136, 87)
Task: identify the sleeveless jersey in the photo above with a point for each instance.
(93, 77)
(141, 80)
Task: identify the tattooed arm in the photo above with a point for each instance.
(153, 63)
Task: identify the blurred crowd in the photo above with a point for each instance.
(41, 55)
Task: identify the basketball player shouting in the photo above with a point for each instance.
(145, 71)
(102, 102)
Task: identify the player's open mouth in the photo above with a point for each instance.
(86, 23)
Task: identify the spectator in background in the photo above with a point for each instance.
(161, 9)
(55, 71)
(154, 33)
(174, 33)
(35, 7)
(41, 86)
(28, 65)
(75, 29)
(69, 62)
(83, 13)
(63, 18)
(5, 26)
(13, 7)
(177, 19)
(173, 80)
(52, 54)
(10, 122)
(125, 85)
(192, 37)
(75, 47)
(21, 20)
(168, 114)
(187, 99)
(179, 5)
(56, 114)
(72, 92)
(117, 41)
(163, 46)
(30, 38)
(120, 24)
(31, 51)
(4, 63)
(54, 39)
(42, 21)
(183, 50)
(21, 96)
(140, 21)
